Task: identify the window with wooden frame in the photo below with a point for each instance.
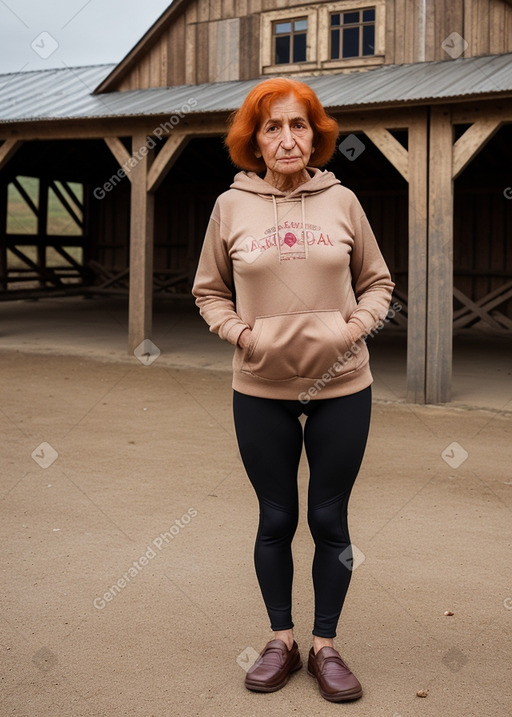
(289, 40)
(323, 36)
(352, 33)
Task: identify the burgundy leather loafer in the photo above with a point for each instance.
(335, 681)
(273, 667)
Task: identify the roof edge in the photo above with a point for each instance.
(66, 68)
(335, 109)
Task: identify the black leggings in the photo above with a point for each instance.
(270, 439)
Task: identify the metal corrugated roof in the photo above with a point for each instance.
(49, 94)
(67, 93)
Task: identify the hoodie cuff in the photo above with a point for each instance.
(233, 333)
(366, 321)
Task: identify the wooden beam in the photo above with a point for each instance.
(67, 206)
(42, 229)
(8, 148)
(472, 141)
(483, 306)
(214, 123)
(417, 274)
(44, 274)
(440, 258)
(119, 151)
(390, 148)
(360, 122)
(204, 125)
(476, 310)
(26, 196)
(141, 249)
(60, 250)
(173, 147)
(472, 111)
(31, 240)
(3, 237)
(79, 203)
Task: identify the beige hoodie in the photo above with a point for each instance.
(296, 294)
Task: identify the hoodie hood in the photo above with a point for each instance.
(319, 181)
(252, 182)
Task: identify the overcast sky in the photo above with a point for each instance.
(39, 34)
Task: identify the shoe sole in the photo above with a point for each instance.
(258, 687)
(345, 696)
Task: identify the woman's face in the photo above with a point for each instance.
(285, 136)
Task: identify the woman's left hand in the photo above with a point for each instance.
(245, 338)
(355, 331)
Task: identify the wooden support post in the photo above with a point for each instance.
(440, 258)
(7, 149)
(145, 176)
(417, 289)
(42, 229)
(3, 237)
(141, 248)
(412, 163)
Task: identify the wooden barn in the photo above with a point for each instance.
(119, 166)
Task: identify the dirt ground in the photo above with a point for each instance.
(127, 526)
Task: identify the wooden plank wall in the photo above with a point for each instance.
(387, 212)
(486, 25)
(181, 218)
(224, 63)
(110, 227)
(194, 47)
(482, 252)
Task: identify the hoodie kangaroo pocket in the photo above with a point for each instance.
(302, 344)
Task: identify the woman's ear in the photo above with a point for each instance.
(257, 153)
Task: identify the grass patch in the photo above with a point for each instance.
(22, 220)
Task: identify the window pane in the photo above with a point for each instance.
(368, 39)
(369, 15)
(299, 48)
(283, 27)
(349, 17)
(282, 50)
(335, 44)
(335, 18)
(351, 42)
(300, 25)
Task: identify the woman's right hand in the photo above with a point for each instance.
(245, 338)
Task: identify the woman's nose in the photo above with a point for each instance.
(287, 140)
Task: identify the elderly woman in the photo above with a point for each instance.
(291, 274)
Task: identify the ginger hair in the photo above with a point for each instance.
(244, 123)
